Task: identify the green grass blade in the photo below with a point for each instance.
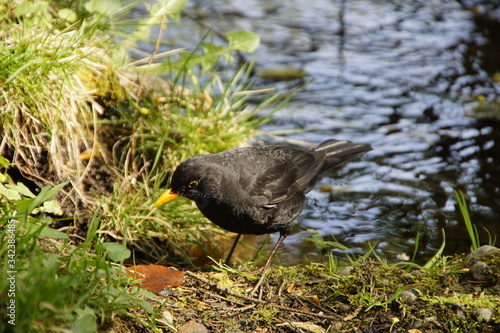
(471, 228)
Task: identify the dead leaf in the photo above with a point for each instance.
(315, 300)
(291, 287)
(87, 154)
(156, 278)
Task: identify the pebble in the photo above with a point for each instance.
(483, 314)
(483, 251)
(168, 317)
(479, 271)
(192, 326)
(346, 271)
(407, 297)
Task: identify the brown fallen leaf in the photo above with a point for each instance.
(291, 287)
(156, 278)
(315, 300)
(87, 154)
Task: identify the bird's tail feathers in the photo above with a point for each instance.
(340, 151)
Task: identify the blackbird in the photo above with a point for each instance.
(256, 190)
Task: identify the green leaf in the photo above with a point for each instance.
(245, 41)
(157, 10)
(438, 254)
(321, 245)
(24, 8)
(52, 206)
(4, 162)
(116, 252)
(68, 15)
(471, 228)
(173, 7)
(53, 233)
(85, 321)
(21, 189)
(9, 194)
(45, 194)
(188, 60)
(211, 54)
(103, 6)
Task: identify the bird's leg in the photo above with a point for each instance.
(268, 263)
(228, 258)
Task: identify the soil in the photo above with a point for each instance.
(367, 296)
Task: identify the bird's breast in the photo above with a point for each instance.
(249, 219)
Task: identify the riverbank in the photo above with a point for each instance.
(89, 138)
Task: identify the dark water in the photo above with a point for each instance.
(404, 76)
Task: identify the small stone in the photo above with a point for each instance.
(483, 314)
(483, 251)
(416, 273)
(479, 271)
(402, 257)
(192, 327)
(407, 297)
(346, 271)
(168, 317)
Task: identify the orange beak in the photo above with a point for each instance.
(166, 197)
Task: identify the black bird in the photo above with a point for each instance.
(256, 190)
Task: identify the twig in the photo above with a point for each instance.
(256, 300)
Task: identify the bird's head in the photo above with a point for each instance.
(192, 179)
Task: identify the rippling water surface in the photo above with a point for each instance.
(401, 75)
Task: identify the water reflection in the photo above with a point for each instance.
(399, 76)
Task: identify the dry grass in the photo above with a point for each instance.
(69, 111)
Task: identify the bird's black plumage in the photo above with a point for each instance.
(257, 190)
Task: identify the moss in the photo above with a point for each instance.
(266, 314)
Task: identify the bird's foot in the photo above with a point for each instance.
(258, 286)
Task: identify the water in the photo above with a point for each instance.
(403, 76)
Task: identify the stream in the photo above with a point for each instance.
(415, 79)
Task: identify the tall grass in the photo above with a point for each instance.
(471, 228)
(74, 108)
(75, 111)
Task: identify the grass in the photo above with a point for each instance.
(471, 228)
(74, 108)
(317, 298)
(57, 285)
(94, 156)
(217, 129)
(83, 124)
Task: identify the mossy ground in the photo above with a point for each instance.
(88, 121)
(315, 298)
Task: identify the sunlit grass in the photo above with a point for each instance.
(73, 111)
(471, 228)
(70, 111)
(469, 225)
(58, 286)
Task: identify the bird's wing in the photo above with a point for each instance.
(287, 171)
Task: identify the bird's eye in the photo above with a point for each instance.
(193, 184)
